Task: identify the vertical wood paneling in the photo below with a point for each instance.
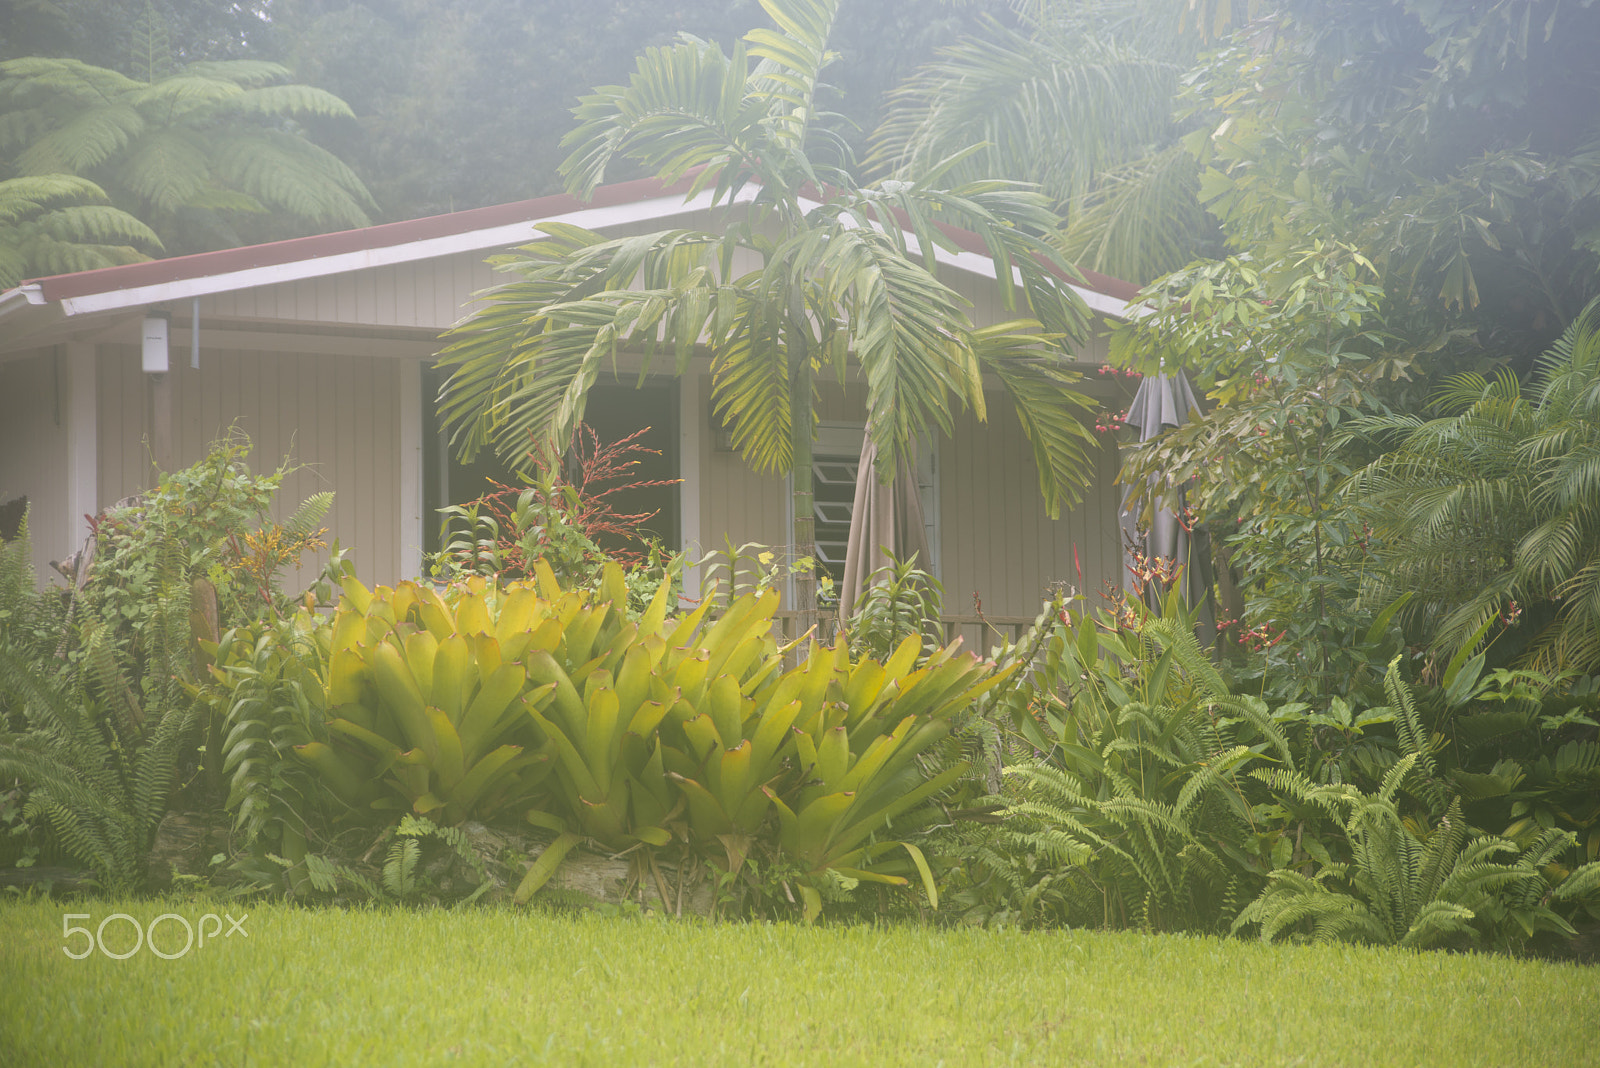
(334, 416)
(340, 415)
(33, 453)
(124, 457)
(998, 540)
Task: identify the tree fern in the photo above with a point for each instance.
(192, 152)
(57, 223)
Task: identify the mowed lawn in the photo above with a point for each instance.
(492, 987)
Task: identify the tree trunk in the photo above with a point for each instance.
(805, 537)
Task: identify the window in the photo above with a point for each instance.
(835, 465)
(614, 411)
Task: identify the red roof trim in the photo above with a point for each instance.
(387, 235)
(384, 235)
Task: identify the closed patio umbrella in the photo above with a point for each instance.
(1164, 401)
(884, 516)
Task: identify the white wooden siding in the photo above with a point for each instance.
(335, 417)
(33, 453)
(996, 539)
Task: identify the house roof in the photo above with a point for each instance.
(478, 229)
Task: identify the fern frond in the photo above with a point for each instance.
(83, 143)
(279, 101)
(293, 175)
(309, 516)
(167, 169)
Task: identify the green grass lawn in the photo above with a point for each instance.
(498, 987)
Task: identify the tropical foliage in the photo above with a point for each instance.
(567, 710)
(811, 272)
(58, 223)
(1078, 99)
(192, 153)
(1135, 809)
(1489, 514)
(97, 766)
(98, 684)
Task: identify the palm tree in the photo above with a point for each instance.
(1081, 100)
(1492, 510)
(836, 280)
(191, 154)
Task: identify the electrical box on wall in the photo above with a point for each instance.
(155, 358)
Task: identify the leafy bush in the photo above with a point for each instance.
(214, 516)
(1157, 798)
(1135, 810)
(562, 517)
(530, 701)
(1410, 885)
(900, 600)
(104, 724)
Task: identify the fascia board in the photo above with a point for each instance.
(498, 237)
(983, 266)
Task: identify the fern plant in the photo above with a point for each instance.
(1140, 789)
(98, 769)
(59, 223)
(1419, 876)
(1409, 883)
(266, 694)
(403, 878)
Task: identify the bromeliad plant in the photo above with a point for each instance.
(633, 732)
(689, 731)
(429, 696)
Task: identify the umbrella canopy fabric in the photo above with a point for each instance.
(1164, 401)
(885, 518)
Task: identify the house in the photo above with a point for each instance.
(320, 349)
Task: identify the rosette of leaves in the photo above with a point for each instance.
(426, 699)
(689, 730)
(834, 747)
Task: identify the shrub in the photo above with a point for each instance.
(103, 726)
(532, 702)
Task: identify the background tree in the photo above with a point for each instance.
(836, 282)
(56, 223)
(463, 104)
(1457, 146)
(195, 153)
(1489, 513)
(114, 33)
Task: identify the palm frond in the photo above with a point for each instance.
(1042, 105)
(686, 106)
(1051, 411)
(1495, 502)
